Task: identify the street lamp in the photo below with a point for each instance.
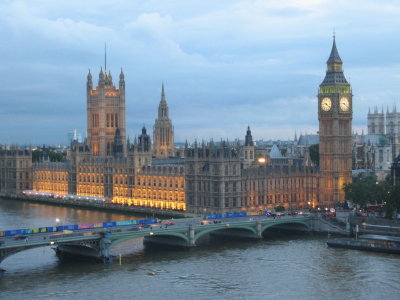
(58, 222)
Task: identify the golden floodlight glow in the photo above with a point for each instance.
(261, 160)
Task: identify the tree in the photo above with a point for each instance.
(365, 190)
(393, 200)
(53, 156)
(279, 208)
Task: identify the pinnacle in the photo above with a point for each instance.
(334, 56)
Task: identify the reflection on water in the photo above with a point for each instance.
(282, 265)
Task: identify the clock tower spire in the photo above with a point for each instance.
(335, 113)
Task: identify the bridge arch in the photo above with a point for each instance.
(300, 223)
(5, 253)
(178, 235)
(205, 230)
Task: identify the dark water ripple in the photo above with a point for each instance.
(285, 267)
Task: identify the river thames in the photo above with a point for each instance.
(283, 266)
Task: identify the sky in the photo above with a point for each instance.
(225, 64)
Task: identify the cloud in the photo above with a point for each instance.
(226, 64)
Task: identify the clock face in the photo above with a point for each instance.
(344, 104)
(326, 104)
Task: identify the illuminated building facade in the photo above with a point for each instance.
(51, 177)
(210, 178)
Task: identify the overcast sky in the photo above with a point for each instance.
(225, 64)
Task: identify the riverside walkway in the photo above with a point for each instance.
(98, 242)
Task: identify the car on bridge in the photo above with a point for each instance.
(360, 213)
(144, 225)
(20, 237)
(169, 223)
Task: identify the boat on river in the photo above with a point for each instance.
(368, 242)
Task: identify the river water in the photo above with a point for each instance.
(283, 266)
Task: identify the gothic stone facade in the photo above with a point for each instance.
(15, 170)
(218, 181)
(211, 178)
(105, 114)
(335, 142)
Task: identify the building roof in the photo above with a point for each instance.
(375, 139)
(308, 139)
(334, 57)
(275, 152)
(168, 161)
(334, 75)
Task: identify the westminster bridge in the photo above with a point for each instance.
(98, 242)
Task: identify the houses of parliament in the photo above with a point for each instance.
(204, 177)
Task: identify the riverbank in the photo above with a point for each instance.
(146, 211)
(366, 225)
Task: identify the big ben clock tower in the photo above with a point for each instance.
(335, 113)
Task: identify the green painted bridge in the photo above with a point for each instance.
(97, 243)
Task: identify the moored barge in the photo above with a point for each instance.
(368, 242)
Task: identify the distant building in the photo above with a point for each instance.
(377, 149)
(74, 136)
(15, 170)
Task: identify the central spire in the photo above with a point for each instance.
(105, 57)
(163, 107)
(162, 93)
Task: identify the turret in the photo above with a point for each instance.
(163, 132)
(108, 79)
(163, 107)
(248, 149)
(89, 83)
(121, 80)
(248, 138)
(101, 78)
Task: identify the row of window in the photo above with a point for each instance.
(53, 176)
(170, 205)
(252, 200)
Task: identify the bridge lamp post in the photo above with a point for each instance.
(58, 222)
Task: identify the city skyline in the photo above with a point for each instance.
(239, 63)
